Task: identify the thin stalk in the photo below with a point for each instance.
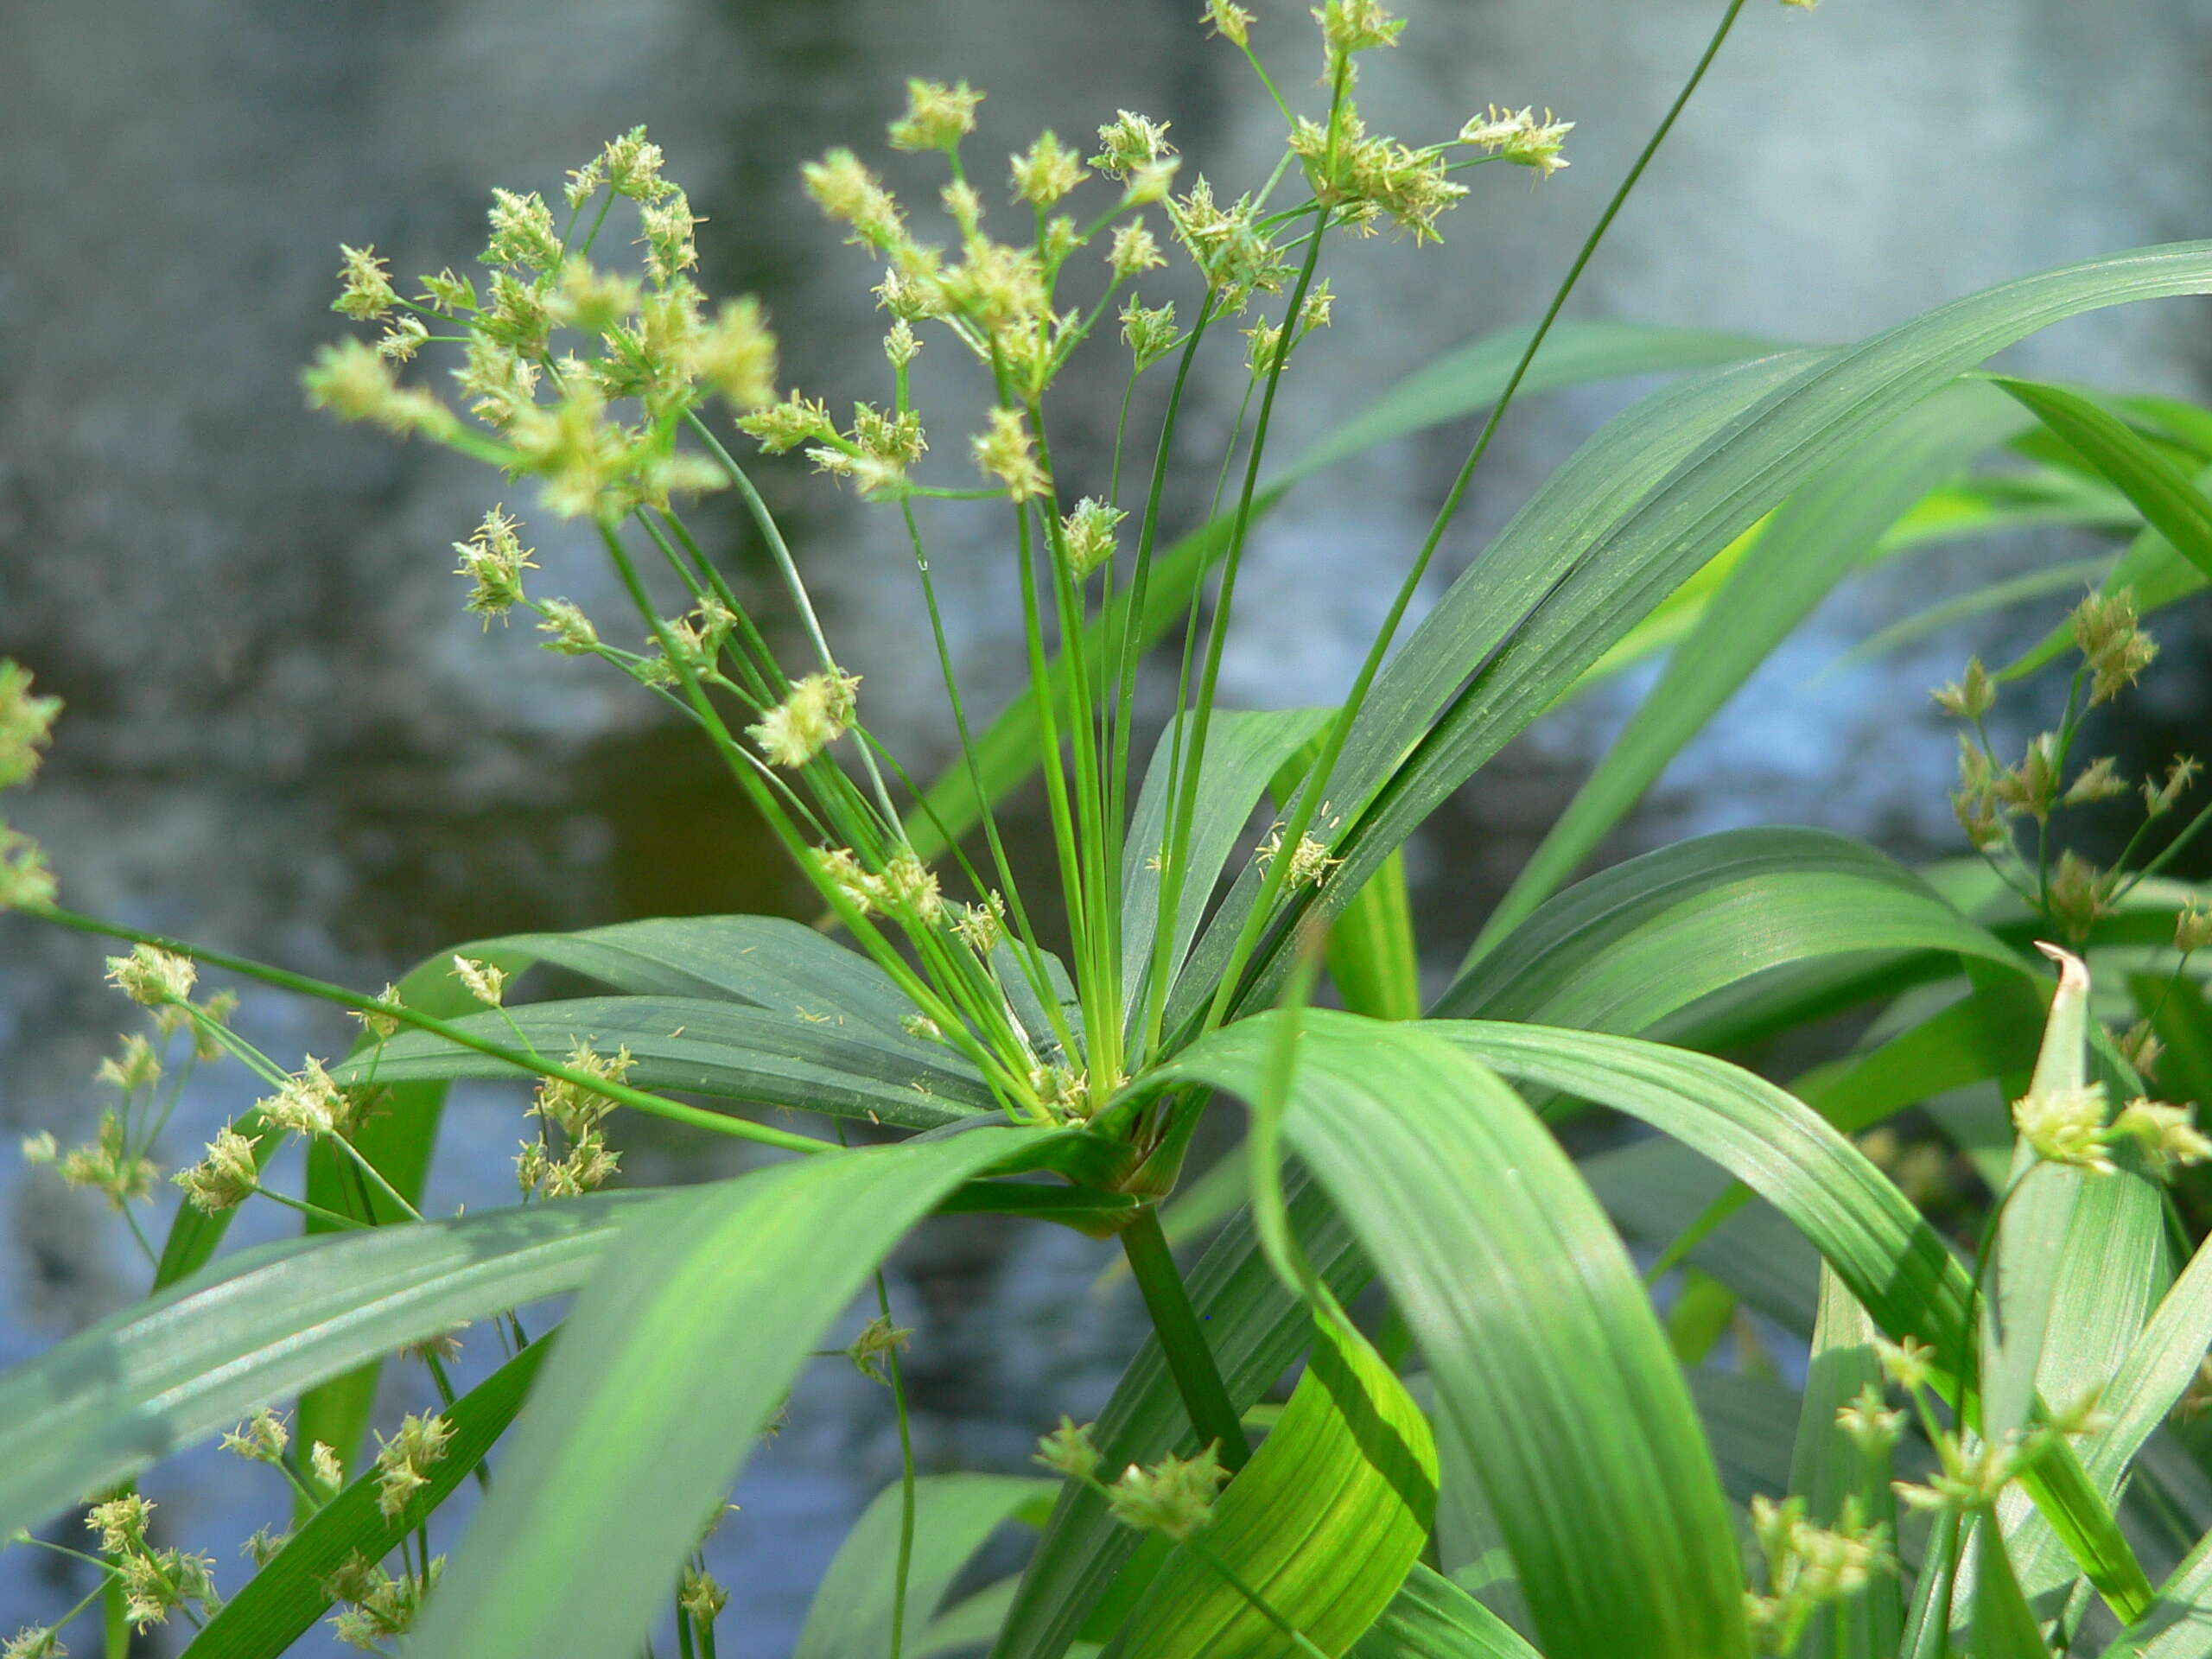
(1189, 1361)
(904, 1568)
(1218, 634)
(788, 569)
(1340, 729)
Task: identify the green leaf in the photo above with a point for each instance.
(1888, 1256)
(716, 1048)
(954, 1517)
(767, 961)
(1827, 1469)
(1256, 1328)
(278, 1604)
(2179, 1623)
(1600, 482)
(1824, 532)
(2150, 568)
(1635, 944)
(1433, 1618)
(1546, 1355)
(199, 1356)
(2004, 1626)
(1323, 1523)
(1549, 632)
(1244, 752)
(675, 1359)
(1459, 384)
(1879, 1246)
(2172, 505)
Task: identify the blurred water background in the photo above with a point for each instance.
(284, 736)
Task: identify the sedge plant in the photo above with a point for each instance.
(1523, 1456)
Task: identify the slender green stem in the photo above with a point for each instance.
(1182, 1340)
(903, 1569)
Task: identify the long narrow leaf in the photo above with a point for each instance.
(1544, 1350)
(672, 1365)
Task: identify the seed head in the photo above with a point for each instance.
(26, 879)
(121, 1522)
(34, 1641)
(2192, 928)
(353, 383)
(310, 1104)
(818, 711)
(1129, 142)
(1520, 137)
(1088, 533)
(1970, 696)
(137, 1066)
(671, 246)
(699, 1595)
(1007, 453)
(493, 558)
(152, 977)
(486, 983)
(322, 1463)
(1173, 1496)
(261, 1439)
(736, 355)
(402, 1460)
(849, 194)
(2159, 799)
(1150, 334)
(522, 233)
(2077, 894)
(980, 927)
(364, 292)
(937, 117)
(1350, 26)
(872, 1350)
(1904, 1361)
(1133, 250)
(2168, 1139)
(2116, 650)
(1068, 1450)
(575, 1107)
(2066, 1126)
(786, 425)
(1232, 22)
(2100, 781)
(1873, 1425)
(226, 1178)
(447, 293)
(1046, 171)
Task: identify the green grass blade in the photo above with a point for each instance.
(1324, 1523)
(1256, 1328)
(1641, 941)
(1824, 532)
(717, 1048)
(1544, 1350)
(2004, 1627)
(2172, 505)
(1827, 1467)
(954, 1517)
(2179, 1623)
(1244, 752)
(282, 1601)
(1374, 959)
(1461, 384)
(673, 1362)
(1616, 578)
(767, 961)
(1887, 1255)
(267, 1322)
(1433, 1618)
(2151, 569)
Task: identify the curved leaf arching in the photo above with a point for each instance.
(1548, 1361)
